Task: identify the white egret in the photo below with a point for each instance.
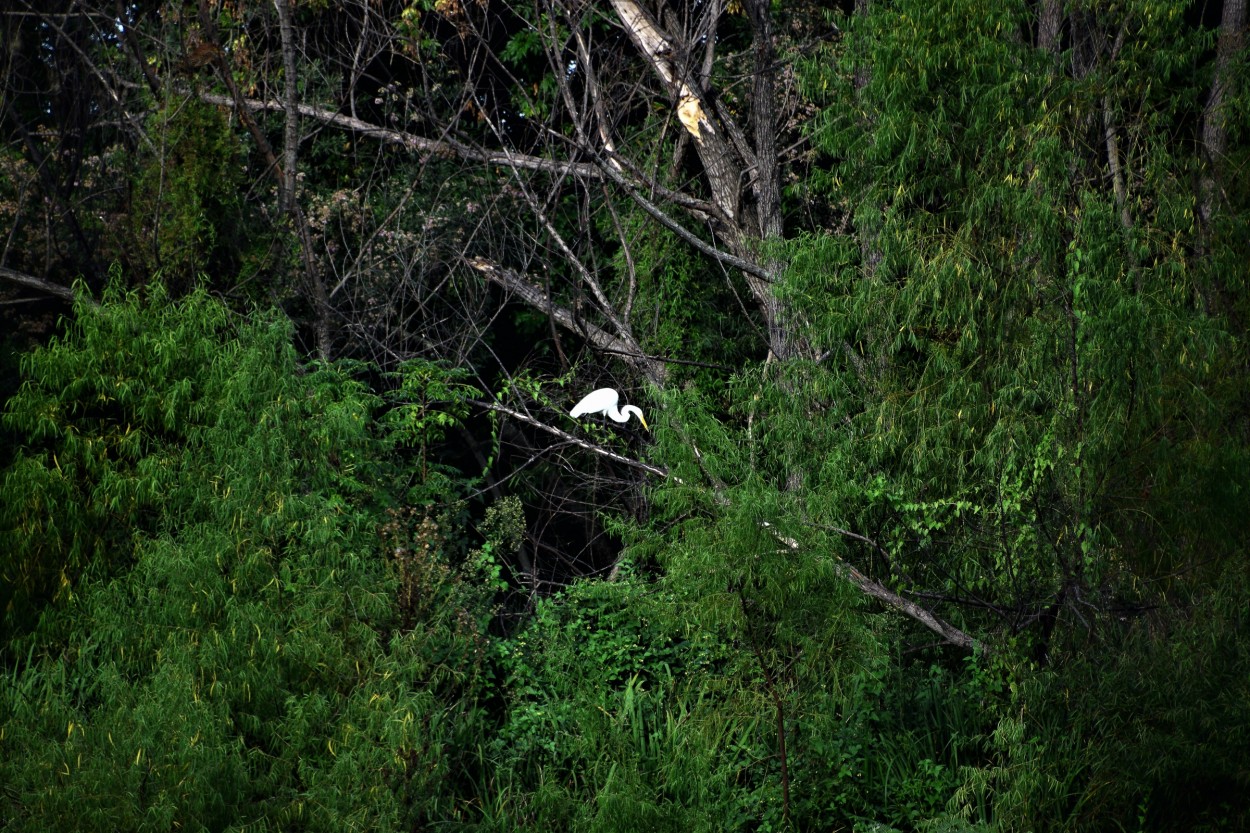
(605, 401)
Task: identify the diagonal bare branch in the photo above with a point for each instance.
(567, 437)
(534, 295)
(41, 284)
(411, 141)
(870, 586)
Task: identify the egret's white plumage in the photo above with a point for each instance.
(605, 401)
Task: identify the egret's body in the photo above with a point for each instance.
(606, 401)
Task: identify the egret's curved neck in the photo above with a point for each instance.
(623, 414)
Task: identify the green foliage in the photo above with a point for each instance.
(98, 415)
(1025, 379)
(1144, 733)
(246, 656)
(185, 207)
(503, 529)
(602, 731)
(238, 592)
(1023, 405)
(695, 312)
(622, 711)
(432, 399)
(1019, 414)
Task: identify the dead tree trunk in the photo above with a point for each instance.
(1214, 133)
(729, 160)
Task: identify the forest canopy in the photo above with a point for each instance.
(936, 312)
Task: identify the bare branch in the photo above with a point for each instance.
(517, 161)
(43, 285)
(660, 50)
(761, 275)
(949, 633)
(567, 437)
(445, 147)
(283, 171)
(91, 67)
(534, 295)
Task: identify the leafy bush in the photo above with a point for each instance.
(211, 632)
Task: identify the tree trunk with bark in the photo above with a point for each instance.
(1214, 130)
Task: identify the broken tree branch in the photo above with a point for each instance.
(534, 295)
(43, 285)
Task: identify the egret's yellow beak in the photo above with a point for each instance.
(643, 420)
